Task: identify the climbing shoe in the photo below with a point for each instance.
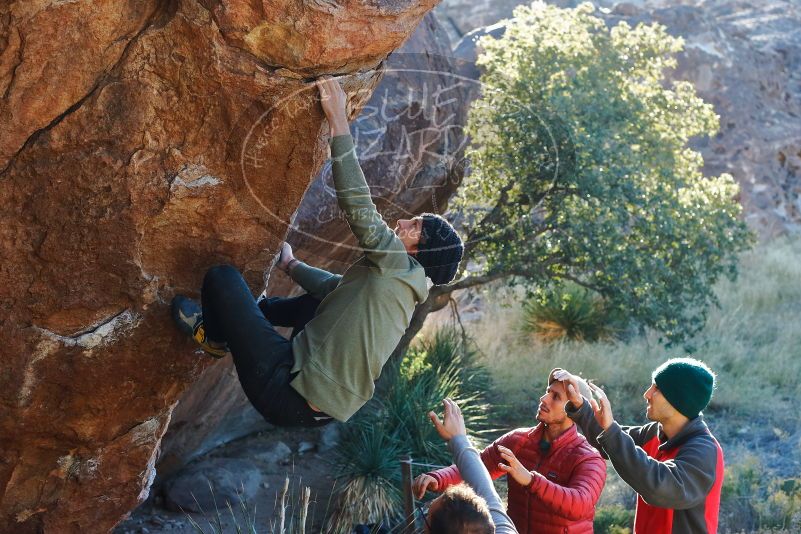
(189, 317)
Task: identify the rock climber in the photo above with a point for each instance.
(344, 327)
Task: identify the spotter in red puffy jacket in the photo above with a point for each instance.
(563, 499)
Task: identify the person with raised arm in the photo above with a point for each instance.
(471, 508)
(346, 326)
(674, 463)
(554, 476)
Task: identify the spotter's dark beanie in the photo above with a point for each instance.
(440, 249)
(686, 383)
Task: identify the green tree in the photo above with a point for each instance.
(582, 171)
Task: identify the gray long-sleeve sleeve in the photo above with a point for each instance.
(585, 420)
(472, 469)
(679, 483)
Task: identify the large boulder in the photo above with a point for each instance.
(744, 57)
(142, 142)
(410, 144)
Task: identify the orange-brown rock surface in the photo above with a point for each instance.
(140, 143)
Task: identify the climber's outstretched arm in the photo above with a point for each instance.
(380, 244)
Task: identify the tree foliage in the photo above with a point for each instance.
(581, 169)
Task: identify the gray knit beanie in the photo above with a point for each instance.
(440, 249)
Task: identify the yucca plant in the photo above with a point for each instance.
(450, 346)
(412, 396)
(397, 424)
(367, 466)
(570, 312)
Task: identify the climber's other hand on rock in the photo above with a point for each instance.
(286, 256)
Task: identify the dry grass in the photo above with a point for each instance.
(753, 342)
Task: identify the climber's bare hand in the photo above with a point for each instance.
(286, 256)
(333, 100)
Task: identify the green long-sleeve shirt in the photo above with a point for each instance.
(363, 313)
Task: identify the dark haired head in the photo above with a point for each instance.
(460, 511)
(440, 249)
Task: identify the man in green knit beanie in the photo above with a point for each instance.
(674, 463)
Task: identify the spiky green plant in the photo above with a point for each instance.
(435, 369)
(569, 311)
(367, 468)
(397, 424)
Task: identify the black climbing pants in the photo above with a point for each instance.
(262, 356)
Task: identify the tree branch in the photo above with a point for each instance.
(471, 281)
(488, 218)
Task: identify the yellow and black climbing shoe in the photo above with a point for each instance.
(188, 316)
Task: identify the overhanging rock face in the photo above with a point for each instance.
(410, 142)
(140, 143)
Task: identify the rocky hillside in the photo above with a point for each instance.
(744, 56)
(141, 142)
